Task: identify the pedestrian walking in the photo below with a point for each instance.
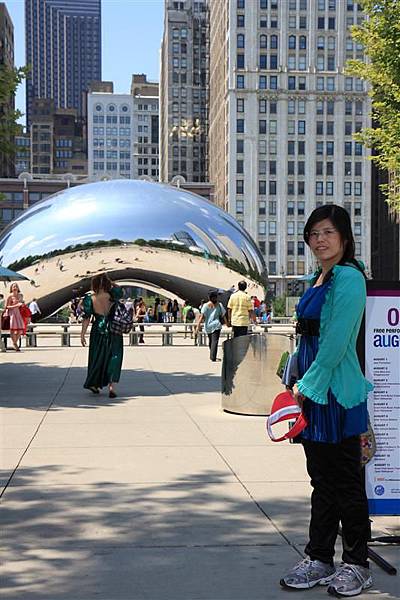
(105, 348)
(333, 394)
(35, 310)
(188, 317)
(212, 315)
(240, 311)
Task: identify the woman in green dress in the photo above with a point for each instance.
(105, 348)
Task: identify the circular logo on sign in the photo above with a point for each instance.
(379, 490)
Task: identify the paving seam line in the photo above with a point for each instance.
(39, 425)
(258, 505)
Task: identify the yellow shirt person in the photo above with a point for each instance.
(240, 310)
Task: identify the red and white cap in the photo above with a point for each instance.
(284, 407)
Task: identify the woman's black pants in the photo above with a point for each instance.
(338, 495)
(213, 344)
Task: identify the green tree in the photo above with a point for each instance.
(380, 35)
(10, 78)
(279, 306)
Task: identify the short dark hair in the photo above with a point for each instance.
(242, 285)
(213, 296)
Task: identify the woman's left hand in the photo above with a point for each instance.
(298, 397)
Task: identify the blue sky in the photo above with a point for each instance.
(131, 31)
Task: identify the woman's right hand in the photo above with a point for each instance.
(298, 397)
(83, 339)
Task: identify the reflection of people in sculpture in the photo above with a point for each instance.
(17, 324)
(332, 391)
(140, 315)
(105, 348)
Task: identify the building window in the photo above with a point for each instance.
(240, 82)
(240, 186)
(240, 61)
(239, 125)
(240, 40)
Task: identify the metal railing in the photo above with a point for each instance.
(169, 332)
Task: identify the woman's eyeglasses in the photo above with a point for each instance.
(323, 233)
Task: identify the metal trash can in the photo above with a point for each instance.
(249, 380)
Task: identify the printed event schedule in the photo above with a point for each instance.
(382, 368)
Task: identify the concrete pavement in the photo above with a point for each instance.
(155, 495)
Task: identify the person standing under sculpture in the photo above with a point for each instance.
(14, 303)
(212, 315)
(332, 392)
(106, 349)
(240, 310)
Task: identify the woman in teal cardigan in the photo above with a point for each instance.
(333, 392)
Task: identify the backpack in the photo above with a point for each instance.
(190, 314)
(121, 319)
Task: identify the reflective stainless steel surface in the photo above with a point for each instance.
(136, 231)
(249, 380)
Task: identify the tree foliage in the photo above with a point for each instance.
(10, 78)
(380, 35)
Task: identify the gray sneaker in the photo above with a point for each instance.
(350, 580)
(308, 573)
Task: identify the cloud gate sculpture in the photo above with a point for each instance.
(146, 234)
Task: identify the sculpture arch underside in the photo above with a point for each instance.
(135, 231)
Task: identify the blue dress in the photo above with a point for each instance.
(329, 423)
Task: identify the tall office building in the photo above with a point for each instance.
(58, 142)
(109, 133)
(145, 127)
(6, 61)
(184, 91)
(123, 130)
(282, 115)
(63, 48)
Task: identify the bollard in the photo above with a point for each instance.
(65, 336)
(133, 338)
(167, 337)
(31, 338)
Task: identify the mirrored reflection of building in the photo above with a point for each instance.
(61, 242)
(25, 191)
(184, 91)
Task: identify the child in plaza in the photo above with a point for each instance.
(333, 394)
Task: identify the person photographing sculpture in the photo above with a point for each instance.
(332, 391)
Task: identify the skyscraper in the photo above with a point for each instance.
(7, 62)
(282, 115)
(63, 49)
(184, 91)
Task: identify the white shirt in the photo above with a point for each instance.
(34, 308)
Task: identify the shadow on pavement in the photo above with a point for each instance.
(21, 386)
